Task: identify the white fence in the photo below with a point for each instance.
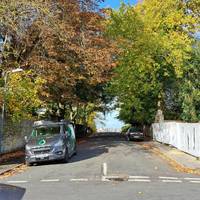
(183, 136)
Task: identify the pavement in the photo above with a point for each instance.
(11, 161)
(180, 157)
(148, 176)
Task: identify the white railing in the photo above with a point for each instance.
(183, 136)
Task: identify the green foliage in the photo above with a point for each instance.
(125, 128)
(91, 122)
(62, 42)
(155, 42)
(21, 96)
(190, 87)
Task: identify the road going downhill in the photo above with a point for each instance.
(148, 176)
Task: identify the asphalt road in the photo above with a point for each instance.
(150, 177)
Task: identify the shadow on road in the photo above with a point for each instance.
(96, 146)
(100, 144)
(93, 146)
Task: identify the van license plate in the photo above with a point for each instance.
(42, 157)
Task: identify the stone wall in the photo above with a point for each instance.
(13, 135)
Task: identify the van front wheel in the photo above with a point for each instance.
(28, 164)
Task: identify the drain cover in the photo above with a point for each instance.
(116, 178)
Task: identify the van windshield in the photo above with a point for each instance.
(45, 131)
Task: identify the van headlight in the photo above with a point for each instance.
(28, 150)
(59, 147)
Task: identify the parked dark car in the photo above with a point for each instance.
(82, 131)
(135, 133)
(50, 141)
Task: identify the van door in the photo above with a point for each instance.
(71, 138)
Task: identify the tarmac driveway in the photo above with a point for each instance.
(148, 175)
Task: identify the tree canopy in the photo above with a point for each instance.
(61, 43)
(71, 51)
(156, 39)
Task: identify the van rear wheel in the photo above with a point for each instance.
(66, 158)
(75, 150)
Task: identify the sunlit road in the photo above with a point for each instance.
(150, 177)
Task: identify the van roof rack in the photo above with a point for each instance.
(49, 123)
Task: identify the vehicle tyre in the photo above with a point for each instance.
(127, 138)
(75, 150)
(66, 158)
(29, 164)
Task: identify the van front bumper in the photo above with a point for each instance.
(44, 157)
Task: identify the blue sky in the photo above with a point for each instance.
(116, 3)
(110, 121)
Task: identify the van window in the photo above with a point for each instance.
(68, 130)
(45, 131)
(72, 130)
